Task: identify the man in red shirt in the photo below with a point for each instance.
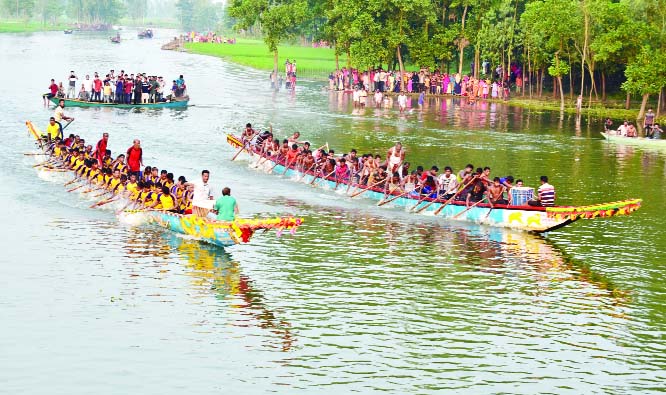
(53, 91)
(97, 89)
(134, 158)
(100, 150)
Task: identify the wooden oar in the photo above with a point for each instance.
(287, 166)
(277, 162)
(367, 188)
(75, 188)
(467, 209)
(305, 172)
(424, 197)
(394, 198)
(454, 196)
(324, 178)
(239, 151)
(71, 182)
(33, 154)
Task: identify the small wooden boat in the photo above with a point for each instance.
(219, 233)
(181, 102)
(635, 141)
(115, 40)
(523, 217)
(69, 31)
(148, 33)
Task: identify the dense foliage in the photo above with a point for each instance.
(592, 44)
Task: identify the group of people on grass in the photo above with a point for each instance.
(392, 175)
(121, 88)
(494, 85)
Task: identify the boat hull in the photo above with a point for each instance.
(635, 141)
(81, 103)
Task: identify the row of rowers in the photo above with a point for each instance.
(393, 174)
(122, 177)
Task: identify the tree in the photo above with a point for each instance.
(186, 11)
(275, 17)
(645, 75)
(19, 8)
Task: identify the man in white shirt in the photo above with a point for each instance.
(202, 198)
(402, 101)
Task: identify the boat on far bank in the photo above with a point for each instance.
(69, 31)
(635, 141)
(115, 40)
(147, 33)
(177, 103)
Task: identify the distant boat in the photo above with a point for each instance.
(69, 31)
(115, 40)
(635, 141)
(148, 33)
(181, 102)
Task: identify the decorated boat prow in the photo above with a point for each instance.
(220, 233)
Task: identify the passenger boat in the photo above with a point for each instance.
(69, 31)
(635, 141)
(180, 102)
(522, 217)
(115, 40)
(219, 233)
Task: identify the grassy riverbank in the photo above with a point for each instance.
(27, 27)
(311, 62)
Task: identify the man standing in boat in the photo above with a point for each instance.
(395, 158)
(100, 148)
(59, 115)
(134, 158)
(202, 198)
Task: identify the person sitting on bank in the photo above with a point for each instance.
(226, 207)
(546, 194)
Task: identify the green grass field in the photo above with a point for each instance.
(22, 27)
(311, 62)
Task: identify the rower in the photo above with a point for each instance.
(448, 183)
(247, 134)
(546, 194)
(476, 194)
(294, 138)
(52, 129)
(164, 200)
(496, 192)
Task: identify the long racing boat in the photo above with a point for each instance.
(522, 217)
(220, 233)
(82, 103)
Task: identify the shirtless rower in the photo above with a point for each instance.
(294, 138)
(396, 156)
(496, 192)
(248, 134)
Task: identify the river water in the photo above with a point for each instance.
(362, 299)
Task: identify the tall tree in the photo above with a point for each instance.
(275, 17)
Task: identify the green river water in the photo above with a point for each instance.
(362, 299)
